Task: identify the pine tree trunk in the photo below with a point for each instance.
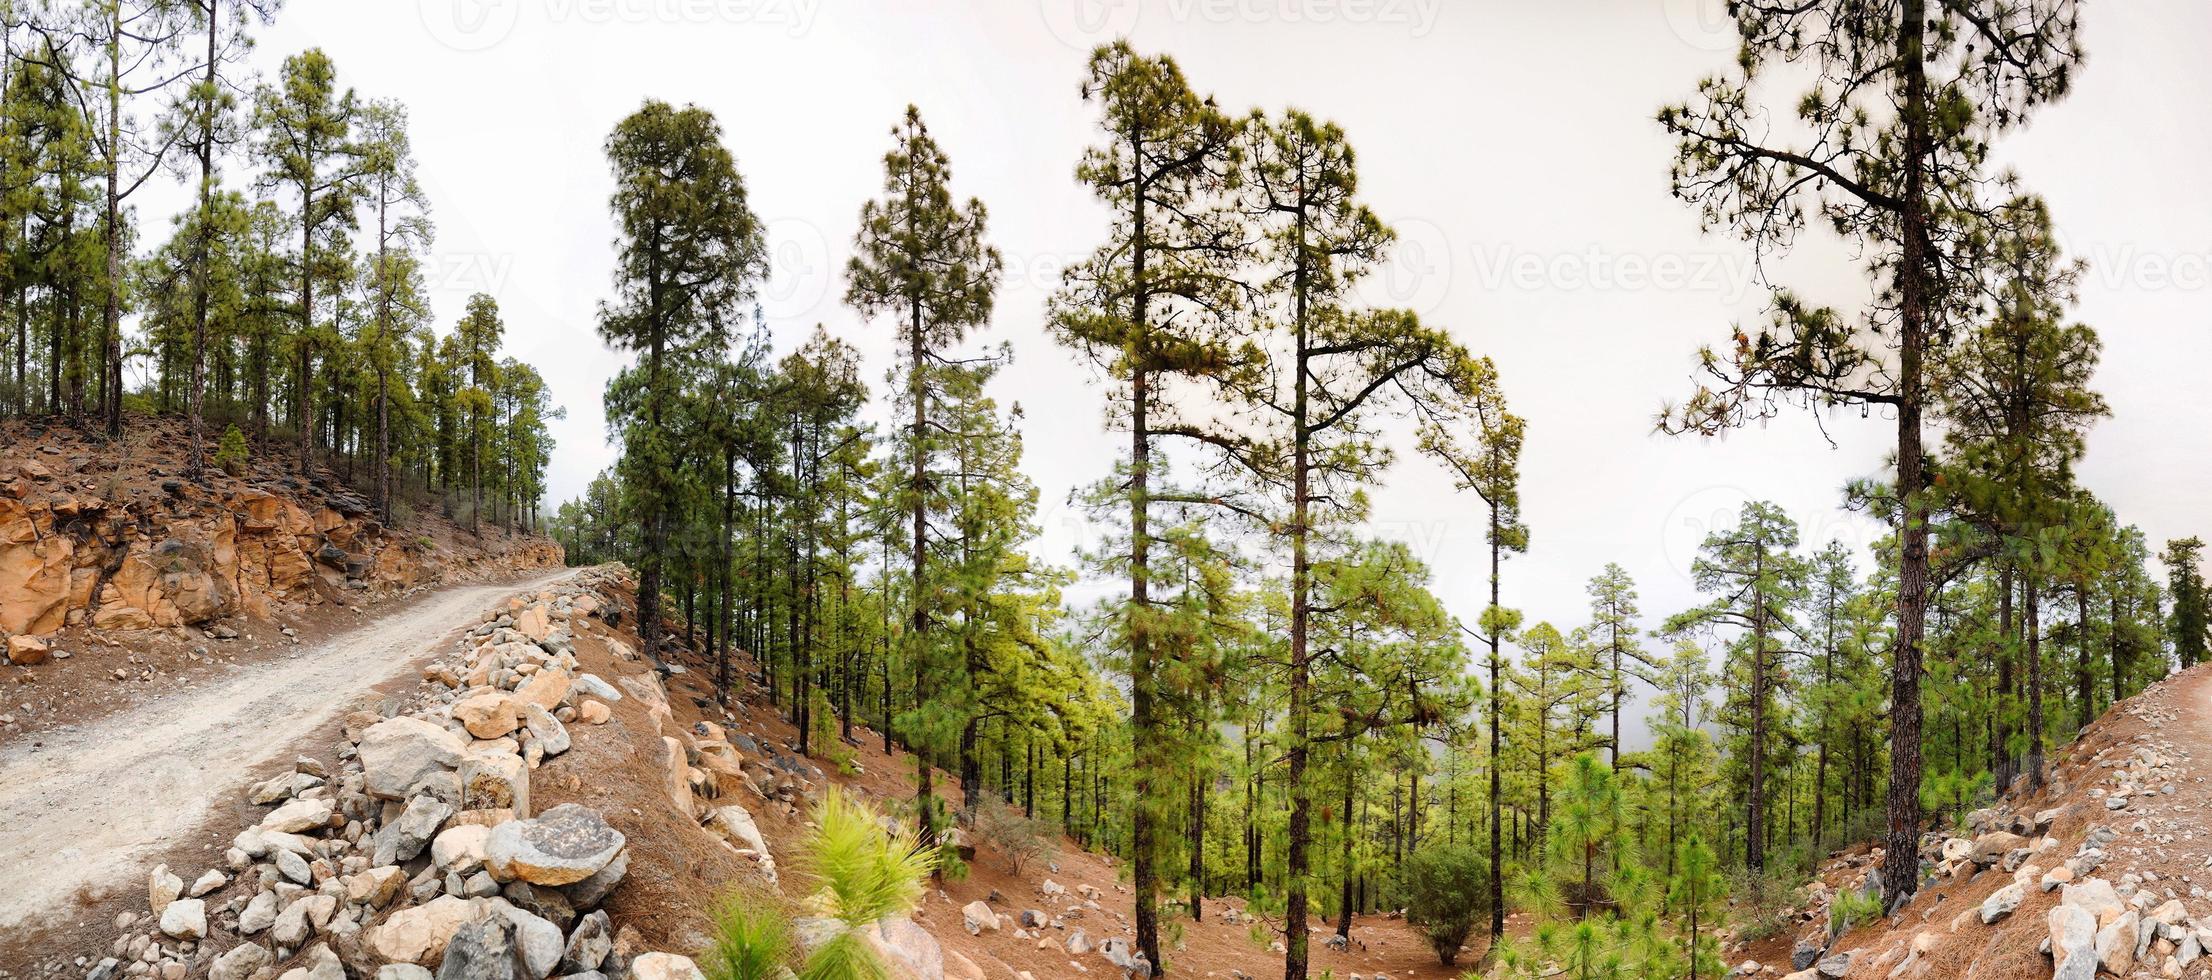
(1900, 863)
(2035, 683)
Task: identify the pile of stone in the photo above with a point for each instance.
(2118, 929)
(419, 850)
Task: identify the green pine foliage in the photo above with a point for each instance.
(1445, 889)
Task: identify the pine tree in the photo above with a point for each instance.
(476, 342)
(2018, 403)
(394, 286)
(1755, 576)
(131, 43)
(1902, 104)
(1697, 893)
(1340, 365)
(207, 123)
(307, 149)
(1832, 586)
(1613, 626)
(1151, 310)
(689, 255)
(1492, 471)
(1581, 844)
(2187, 625)
(920, 256)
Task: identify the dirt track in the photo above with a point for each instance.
(89, 804)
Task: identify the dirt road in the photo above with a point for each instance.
(90, 804)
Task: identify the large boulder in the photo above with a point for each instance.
(418, 825)
(482, 950)
(564, 845)
(2001, 903)
(2073, 934)
(977, 917)
(547, 730)
(495, 781)
(2116, 943)
(1991, 848)
(26, 651)
(162, 887)
(588, 944)
(537, 943)
(488, 715)
(375, 887)
(546, 689)
(460, 848)
(419, 935)
(735, 824)
(2095, 896)
(318, 963)
(532, 623)
(399, 752)
(34, 574)
(240, 962)
(676, 776)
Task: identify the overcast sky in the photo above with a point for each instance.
(1511, 144)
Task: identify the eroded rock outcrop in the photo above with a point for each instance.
(86, 542)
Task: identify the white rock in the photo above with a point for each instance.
(185, 918)
(298, 816)
(162, 888)
(664, 966)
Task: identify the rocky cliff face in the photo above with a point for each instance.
(114, 538)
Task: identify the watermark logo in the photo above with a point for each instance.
(469, 25)
(1716, 509)
(468, 272)
(1501, 267)
(800, 272)
(795, 16)
(1416, 17)
(1696, 517)
(1417, 274)
(1084, 24)
(1701, 24)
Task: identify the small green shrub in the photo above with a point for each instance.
(1446, 891)
(1853, 908)
(950, 866)
(230, 454)
(862, 874)
(752, 939)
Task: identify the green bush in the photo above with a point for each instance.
(1446, 891)
(752, 939)
(862, 874)
(950, 865)
(230, 454)
(1851, 909)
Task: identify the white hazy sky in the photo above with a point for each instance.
(1511, 143)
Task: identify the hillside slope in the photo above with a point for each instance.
(2101, 871)
(119, 572)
